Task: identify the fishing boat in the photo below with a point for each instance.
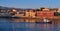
(45, 21)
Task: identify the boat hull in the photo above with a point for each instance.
(44, 22)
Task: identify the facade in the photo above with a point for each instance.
(58, 10)
(45, 13)
(30, 13)
(19, 13)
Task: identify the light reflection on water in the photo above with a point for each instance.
(14, 24)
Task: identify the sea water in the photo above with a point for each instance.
(10, 24)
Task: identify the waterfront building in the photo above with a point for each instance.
(58, 10)
(12, 11)
(19, 14)
(45, 13)
(30, 13)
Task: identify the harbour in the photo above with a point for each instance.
(29, 15)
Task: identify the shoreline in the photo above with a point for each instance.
(55, 17)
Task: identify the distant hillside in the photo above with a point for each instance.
(9, 8)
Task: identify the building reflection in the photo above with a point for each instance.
(23, 20)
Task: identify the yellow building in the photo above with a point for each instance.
(30, 13)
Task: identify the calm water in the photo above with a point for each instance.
(14, 24)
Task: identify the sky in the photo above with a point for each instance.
(30, 3)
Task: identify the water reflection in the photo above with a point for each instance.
(23, 20)
(26, 20)
(14, 24)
